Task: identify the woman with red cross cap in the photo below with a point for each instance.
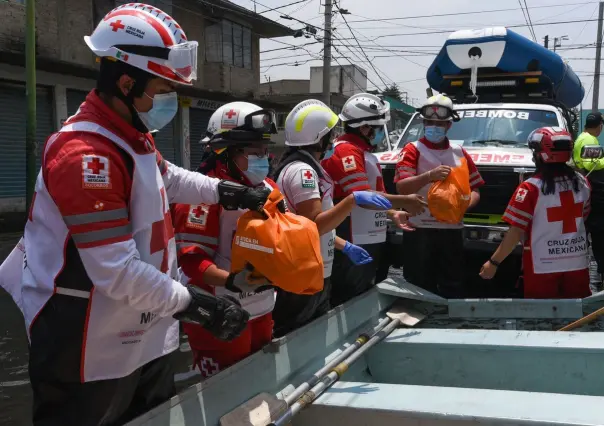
(237, 138)
(100, 290)
(548, 212)
(309, 192)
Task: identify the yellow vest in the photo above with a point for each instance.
(585, 139)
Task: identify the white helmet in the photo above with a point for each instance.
(438, 108)
(365, 109)
(308, 122)
(146, 38)
(240, 123)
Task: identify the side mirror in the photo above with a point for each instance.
(592, 152)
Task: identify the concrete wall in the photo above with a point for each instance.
(60, 26)
(284, 87)
(347, 80)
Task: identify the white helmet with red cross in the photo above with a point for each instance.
(146, 38)
(240, 123)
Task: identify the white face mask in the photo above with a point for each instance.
(257, 169)
(165, 107)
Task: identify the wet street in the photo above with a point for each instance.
(15, 392)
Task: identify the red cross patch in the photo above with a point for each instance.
(521, 195)
(95, 172)
(308, 179)
(230, 117)
(349, 163)
(198, 216)
(208, 367)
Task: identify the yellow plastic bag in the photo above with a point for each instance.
(449, 199)
(283, 247)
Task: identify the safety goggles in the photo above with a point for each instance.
(180, 59)
(435, 112)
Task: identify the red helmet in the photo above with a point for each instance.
(551, 144)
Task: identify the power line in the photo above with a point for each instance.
(280, 7)
(507, 26)
(359, 44)
(528, 16)
(468, 13)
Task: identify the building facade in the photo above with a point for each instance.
(228, 70)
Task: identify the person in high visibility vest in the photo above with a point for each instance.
(548, 212)
(593, 169)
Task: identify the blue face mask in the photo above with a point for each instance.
(435, 134)
(378, 137)
(257, 169)
(328, 153)
(164, 109)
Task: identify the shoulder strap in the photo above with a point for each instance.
(90, 127)
(302, 157)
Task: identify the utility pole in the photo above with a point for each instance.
(30, 93)
(546, 41)
(327, 55)
(596, 94)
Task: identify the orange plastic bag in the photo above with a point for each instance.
(449, 199)
(283, 247)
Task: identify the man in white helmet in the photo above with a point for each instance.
(353, 168)
(309, 192)
(433, 253)
(99, 290)
(237, 141)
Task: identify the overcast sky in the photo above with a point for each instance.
(406, 63)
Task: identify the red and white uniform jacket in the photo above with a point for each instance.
(554, 224)
(99, 229)
(204, 236)
(421, 157)
(354, 168)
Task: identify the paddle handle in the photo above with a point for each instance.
(327, 381)
(585, 320)
(361, 340)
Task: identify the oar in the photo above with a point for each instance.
(264, 407)
(397, 316)
(582, 321)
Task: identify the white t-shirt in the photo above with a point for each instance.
(299, 182)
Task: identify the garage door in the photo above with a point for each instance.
(75, 98)
(199, 119)
(13, 110)
(165, 142)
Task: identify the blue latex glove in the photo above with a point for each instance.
(356, 254)
(371, 199)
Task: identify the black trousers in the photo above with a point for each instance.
(349, 280)
(292, 311)
(59, 397)
(104, 402)
(434, 260)
(597, 247)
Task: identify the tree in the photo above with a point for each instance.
(393, 91)
(575, 124)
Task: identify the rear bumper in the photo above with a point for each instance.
(476, 237)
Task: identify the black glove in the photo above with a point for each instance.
(220, 315)
(233, 196)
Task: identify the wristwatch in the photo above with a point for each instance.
(494, 263)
